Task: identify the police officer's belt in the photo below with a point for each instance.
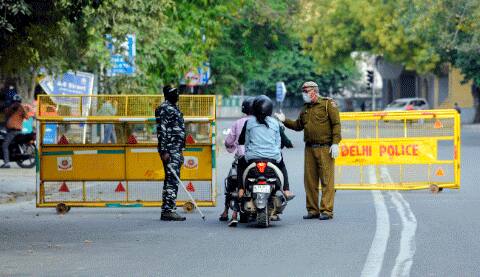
(315, 145)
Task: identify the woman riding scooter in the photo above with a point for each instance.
(263, 139)
(231, 143)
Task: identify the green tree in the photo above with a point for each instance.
(260, 48)
(423, 35)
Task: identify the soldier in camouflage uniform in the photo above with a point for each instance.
(171, 143)
(320, 121)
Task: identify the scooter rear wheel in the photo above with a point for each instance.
(263, 220)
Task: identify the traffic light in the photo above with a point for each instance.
(369, 79)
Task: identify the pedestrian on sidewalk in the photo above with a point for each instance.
(320, 120)
(171, 144)
(109, 109)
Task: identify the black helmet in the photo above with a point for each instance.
(247, 105)
(171, 93)
(262, 107)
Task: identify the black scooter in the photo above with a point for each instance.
(22, 149)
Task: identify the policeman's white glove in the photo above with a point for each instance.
(280, 116)
(334, 151)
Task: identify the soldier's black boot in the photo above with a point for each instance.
(171, 216)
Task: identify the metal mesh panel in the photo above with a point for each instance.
(121, 105)
(152, 191)
(391, 129)
(83, 133)
(431, 128)
(367, 129)
(105, 191)
(145, 191)
(94, 133)
(349, 129)
(447, 170)
(53, 191)
(348, 175)
(421, 150)
(117, 191)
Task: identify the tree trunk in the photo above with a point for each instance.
(33, 83)
(476, 97)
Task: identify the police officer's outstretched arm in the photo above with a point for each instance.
(296, 125)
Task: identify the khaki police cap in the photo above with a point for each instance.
(309, 84)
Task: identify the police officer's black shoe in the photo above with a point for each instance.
(310, 216)
(324, 216)
(171, 216)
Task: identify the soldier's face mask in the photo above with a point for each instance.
(172, 96)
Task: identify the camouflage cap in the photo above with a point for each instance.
(309, 84)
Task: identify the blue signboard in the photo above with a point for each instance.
(50, 134)
(73, 83)
(122, 63)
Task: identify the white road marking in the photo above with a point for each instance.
(404, 260)
(373, 264)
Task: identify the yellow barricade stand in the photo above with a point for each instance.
(101, 151)
(399, 150)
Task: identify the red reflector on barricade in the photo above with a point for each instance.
(440, 172)
(63, 140)
(120, 188)
(190, 187)
(132, 140)
(438, 124)
(190, 139)
(64, 188)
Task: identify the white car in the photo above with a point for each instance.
(408, 104)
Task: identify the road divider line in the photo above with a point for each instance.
(404, 260)
(376, 254)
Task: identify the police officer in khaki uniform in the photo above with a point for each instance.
(320, 120)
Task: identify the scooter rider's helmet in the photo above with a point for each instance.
(247, 105)
(262, 107)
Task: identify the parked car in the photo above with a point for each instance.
(408, 104)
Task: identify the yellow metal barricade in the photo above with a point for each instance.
(399, 150)
(78, 167)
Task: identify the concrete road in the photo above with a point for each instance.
(413, 233)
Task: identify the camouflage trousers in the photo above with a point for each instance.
(170, 184)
